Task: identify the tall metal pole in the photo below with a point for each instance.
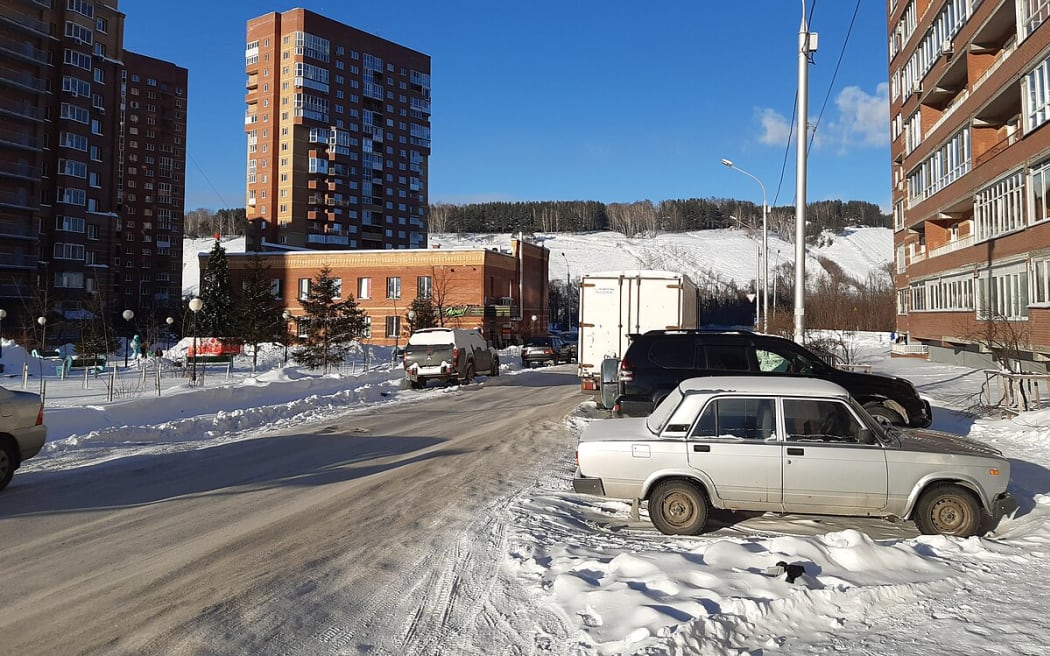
(764, 258)
(568, 288)
(806, 44)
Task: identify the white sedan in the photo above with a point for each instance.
(789, 445)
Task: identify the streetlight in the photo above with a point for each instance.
(533, 325)
(128, 316)
(287, 316)
(195, 306)
(3, 313)
(169, 321)
(765, 247)
(43, 340)
(568, 287)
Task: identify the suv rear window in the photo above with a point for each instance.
(672, 353)
(538, 341)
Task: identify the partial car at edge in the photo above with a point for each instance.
(22, 430)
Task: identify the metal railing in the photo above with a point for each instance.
(1015, 393)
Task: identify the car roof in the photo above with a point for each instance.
(764, 384)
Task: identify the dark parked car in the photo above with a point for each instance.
(656, 361)
(571, 338)
(549, 348)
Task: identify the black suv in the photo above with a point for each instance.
(656, 361)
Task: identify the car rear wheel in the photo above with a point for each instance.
(948, 510)
(468, 376)
(884, 415)
(678, 508)
(495, 367)
(7, 464)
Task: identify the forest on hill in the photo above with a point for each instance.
(643, 217)
(630, 219)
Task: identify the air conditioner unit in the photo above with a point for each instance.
(947, 48)
(916, 87)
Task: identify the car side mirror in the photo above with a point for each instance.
(866, 436)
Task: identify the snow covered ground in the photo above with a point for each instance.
(620, 587)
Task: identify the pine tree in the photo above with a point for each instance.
(216, 315)
(421, 314)
(330, 325)
(257, 311)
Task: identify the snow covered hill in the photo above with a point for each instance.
(704, 255)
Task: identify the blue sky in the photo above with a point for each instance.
(614, 100)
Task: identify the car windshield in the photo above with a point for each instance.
(662, 412)
(538, 341)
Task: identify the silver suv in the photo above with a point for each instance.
(22, 430)
(792, 445)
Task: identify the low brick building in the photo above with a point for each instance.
(498, 291)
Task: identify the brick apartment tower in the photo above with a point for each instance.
(64, 135)
(970, 107)
(338, 127)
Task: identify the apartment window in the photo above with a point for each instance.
(424, 286)
(1034, 14)
(1037, 92)
(75, 87)
(79, 33)
(1039, 189)
(69, 280)
(69, 251)
(102, 25)
(393, 287)
(304, 288)
(364, 288)
(69, 224)
(1039, 281)
(393, 327)
(902, 301)
(1002, 292)
(72, 196)
(999, 207)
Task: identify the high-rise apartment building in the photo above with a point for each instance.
(92, 152)
(338, 127)
(969, 108)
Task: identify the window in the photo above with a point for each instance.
(744, 418)
(999, 208)
(812, 420)
(393, 287)
(424, 286)
(1039, 185)
(727, 357)
(364, 288)
(304, 288)
(79, 33)
(393, 327)
(69, 251)
(1037, 96)
(1002, 293)
(337, 286)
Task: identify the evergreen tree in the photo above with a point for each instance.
(216, 315)
(257, 311)
(330, 325)
(421, 314)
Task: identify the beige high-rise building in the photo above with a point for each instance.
(338, 136)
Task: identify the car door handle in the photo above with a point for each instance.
(796, 451)
(703, 448)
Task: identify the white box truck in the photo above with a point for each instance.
(616, 304)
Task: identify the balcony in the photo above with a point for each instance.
(23, 50)
(951, 246)
(250, 119)
(17, 230)
(20, 200)
(21, 170)
(23, 22)
(337, 240)
(18, 261)
(22, 80)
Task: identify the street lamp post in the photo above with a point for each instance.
(128, 316)
(43, 340)
(765, 246)
(195, 306)
(169, 321)
(287, 316)
(533, 330)
(568, 291)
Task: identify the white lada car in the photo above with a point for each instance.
(789, 445)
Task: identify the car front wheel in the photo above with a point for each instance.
(948, 510)
(678, 508)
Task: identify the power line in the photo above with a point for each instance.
(207, 179)
(834, 75)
